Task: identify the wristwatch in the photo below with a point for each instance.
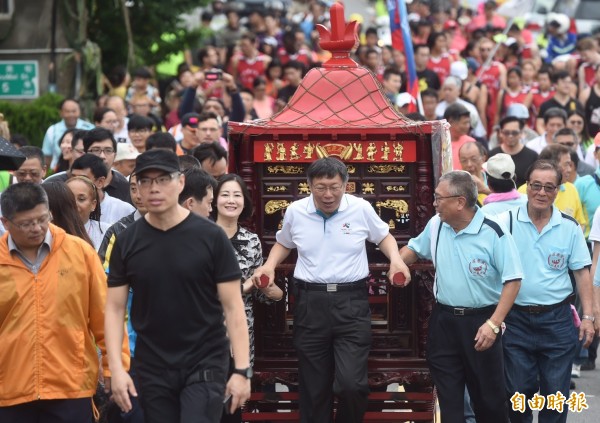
(588, 317)
(495, 328)
(247, 372)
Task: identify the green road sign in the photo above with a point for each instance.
(19, 79)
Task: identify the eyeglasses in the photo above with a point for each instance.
(31, 225)
(23, 173)
(161, 181)
(508, 133)
(437, 197)
(97, 151)
(79, 150)
(321, 189)
(538, 187)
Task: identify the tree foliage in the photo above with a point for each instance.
(31, 119)
(156, 27)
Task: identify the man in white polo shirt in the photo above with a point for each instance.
(332, 319)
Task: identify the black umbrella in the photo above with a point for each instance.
(10, 157)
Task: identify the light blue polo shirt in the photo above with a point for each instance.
(549, 255)
(471, 265)
(50, 146)
(597, 277)
(589, 193)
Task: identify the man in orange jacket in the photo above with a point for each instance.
(52, 298)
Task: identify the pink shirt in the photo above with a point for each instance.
(455, 147)
(480, 21)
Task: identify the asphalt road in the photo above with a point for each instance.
(588, 383)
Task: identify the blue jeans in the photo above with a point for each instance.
(539, 349)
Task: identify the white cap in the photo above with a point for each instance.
(403, 99)
(414, 17)
(500, 166)
(459, 69)
(126, 151)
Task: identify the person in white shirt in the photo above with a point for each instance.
(332, 322)
(450, 95)
(86, 199)
(93, 168)
(70, 113)
(554, 120)
(117, 104)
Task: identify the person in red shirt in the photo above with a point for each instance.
(440, 60)
(529, 70)
(294, 49)
(543, 91)
(250, 63)
(459, 118)
(489, 18)
(590, 58)
(515, 92)
(493, 75)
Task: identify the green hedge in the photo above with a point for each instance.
(32, 119)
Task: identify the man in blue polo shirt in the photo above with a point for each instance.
(478, 275)
(332, 319)
(541, 339)
(70, 113)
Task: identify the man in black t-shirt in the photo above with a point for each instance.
(427, 77)
(562, 97)
(185, 277)
(510, 136)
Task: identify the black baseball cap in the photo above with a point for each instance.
(190, 119)
(159, 159)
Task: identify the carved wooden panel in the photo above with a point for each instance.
(402, 195)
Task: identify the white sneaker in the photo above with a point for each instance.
(576, 371)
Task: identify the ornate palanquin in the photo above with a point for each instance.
(340, 110)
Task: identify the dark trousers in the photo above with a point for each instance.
(332, 335)
(538, 353)
(454, 362)
(593, 350)
(176, 396)
(49, 411)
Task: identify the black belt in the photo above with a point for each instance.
(536, 309)
(465, 311)
(331, 287)
(200, 376)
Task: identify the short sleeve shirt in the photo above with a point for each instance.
(550, 254)
(331, 250)
(471, 265)
(174, 274)
(597, 277)
(595, 231)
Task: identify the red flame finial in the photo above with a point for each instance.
(340, 40)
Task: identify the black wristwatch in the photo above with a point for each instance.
(247, 372)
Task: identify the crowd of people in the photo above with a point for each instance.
(130, 195)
